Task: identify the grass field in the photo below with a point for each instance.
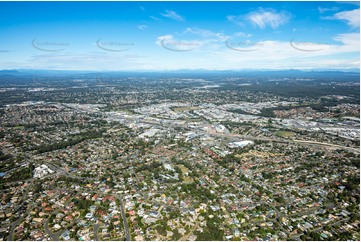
(186, 179)
(183, 109)
(284, 134)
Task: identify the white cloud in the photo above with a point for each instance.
(357, 3)
(239, 20)
(195, 48)
(351, 17)
(163, 38)
(212, 50)
(350, 41)
(83, 61)
(155, 18)
(142, 27)
(298, 55)
(179, 45)
(231, 18)
(172, 15)
(322, 10)
(241, 34)
(263, 18)
(207, 34)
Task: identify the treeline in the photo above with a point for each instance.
(181, 162)
(323, 106)
(212, 231)
(230, 159)
(314, 90)
(195, 190)
(180, 173)
(352, 184)
(230, 124)
(71, 180)
(71, 141)
(82, 204)
(4, 156)
(149, 167)
(20, 174)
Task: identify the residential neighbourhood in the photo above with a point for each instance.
(105, 168)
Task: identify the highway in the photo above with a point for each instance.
(286, 141)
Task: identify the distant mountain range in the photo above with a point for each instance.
(245, 73)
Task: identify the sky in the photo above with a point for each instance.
(142, 36)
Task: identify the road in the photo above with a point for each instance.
(327, 144)
(19, 220)
(53, 236)
(96, 229)
(314, 143)
(286, 141)
(125, 223)
(318, 229)
(12, 227)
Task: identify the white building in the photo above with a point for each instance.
(168, 167)
(41, 171)
(240, 144)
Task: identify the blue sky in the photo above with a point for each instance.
(179, 35)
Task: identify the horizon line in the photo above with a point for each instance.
(188, 70)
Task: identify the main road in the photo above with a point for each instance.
(286, 141)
